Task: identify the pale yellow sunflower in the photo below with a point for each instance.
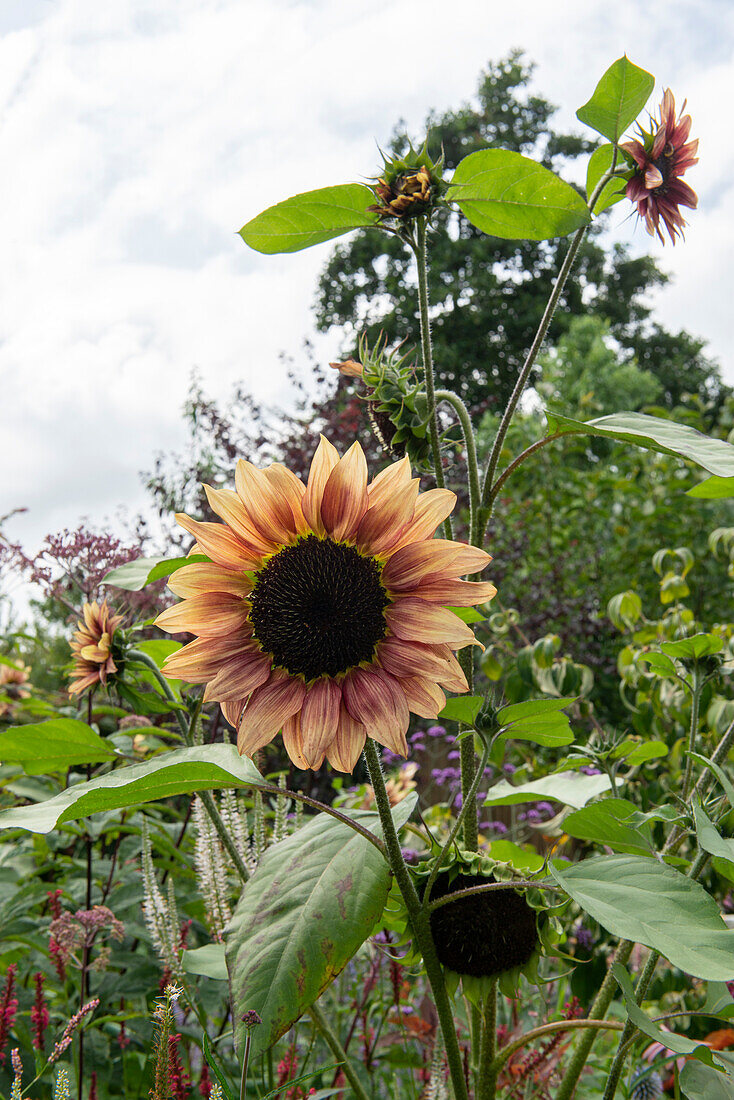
(92, 647)
(323, 611)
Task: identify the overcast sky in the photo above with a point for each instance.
(137, 136)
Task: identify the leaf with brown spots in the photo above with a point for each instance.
(314, 899)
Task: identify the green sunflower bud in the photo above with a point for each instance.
(397, 404)
(408, 186)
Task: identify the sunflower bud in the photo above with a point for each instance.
(408, 186)
(397, 405)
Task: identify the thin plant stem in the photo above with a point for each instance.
(489, 888)
(517, 462)
(245, 1061)
(419, 921)
(427, 353)
(487, 1078)
(455, 830)
(550, 1029)
(472, 464)
(486, 505)
(696, 688)
(331, 1039)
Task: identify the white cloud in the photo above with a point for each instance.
(140, 137)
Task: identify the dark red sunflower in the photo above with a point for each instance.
(659, 159)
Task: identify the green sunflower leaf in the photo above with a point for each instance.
(679, 1044)
(310, 218)
(538, 720)
(464, 708)
(709, 837)
(53, 746)
(608, 822)
(600, 162)
(183, 771)
(654, 434)
(507, 195)
(725, 782)
(312, 902)
(570, 788)
(642, 900)
(618, 99)
(700, 1082)
(135, 575)
(713, 488)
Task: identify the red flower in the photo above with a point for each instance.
(39, 1013)
(659, 159)
(8, 1009)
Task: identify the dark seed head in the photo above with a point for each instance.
(319, 608)
(485, 934)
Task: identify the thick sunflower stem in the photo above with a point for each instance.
(419, 922)
(696, 689)
(331, 1039)
(472, 464)
(427, 353)
(488, 1072)
(599, 1009)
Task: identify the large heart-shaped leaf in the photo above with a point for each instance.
(653, 434)
(508, 195)
(310, 218)
(709, 837)
(570, 788)
(53, 746)
(183, 771)
(313, 900)
(608, 822)
(713, 488)
(618, 99)
(648, 902)
(699, 1082)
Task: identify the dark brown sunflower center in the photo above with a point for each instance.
(484, 934)
(663, 164)
(319, 608)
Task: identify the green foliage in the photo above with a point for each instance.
(508, 195)
(569, 788)
(639, 899)
(137, 574)
(52, 746)
(310, 218)
(310, 905)
(618, 99)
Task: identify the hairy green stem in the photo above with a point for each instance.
(487, 1078)
(487, 499)
(472, 464)
(457, 825)
(509, 470)
(598, 1011)
(696, 689)
(427, 353)
(522, 380)
(490, 887)
(550, 1029)
(331, 1039)
(419, 922)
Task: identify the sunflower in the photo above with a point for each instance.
(658, 161)
(92, 647)
(322, 612)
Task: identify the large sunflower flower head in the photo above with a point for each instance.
(324, 611)
(92, 647)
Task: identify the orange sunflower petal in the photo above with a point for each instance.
(424, 697)
(265, 505)
(292, 490)
(219, 543)
(431, 509)
(320, 719)
(201, 659)
(434, 558)
(401, 658)
(345, 495)
(323, 462)
(239, 676)
(202, 577)
(293, 742)
(375, 699)
(417, 620)
(212, 614)
(232, 711)
(454, 593)
(394, 477)
(228, 506)
(455, 680)
(383, 522)
(268, 708)
(346, 748)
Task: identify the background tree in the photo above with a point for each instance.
(488, 294)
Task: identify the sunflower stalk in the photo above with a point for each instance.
(419, 921)
(487, 1075)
